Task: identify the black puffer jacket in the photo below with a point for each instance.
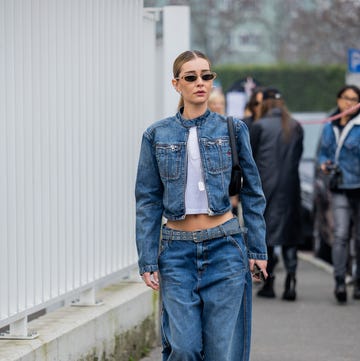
(278, 163)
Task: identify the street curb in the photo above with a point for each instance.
(309, 257)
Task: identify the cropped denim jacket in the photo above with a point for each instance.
(161, 180)
(347, 155)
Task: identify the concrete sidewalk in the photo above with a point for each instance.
(313, 328)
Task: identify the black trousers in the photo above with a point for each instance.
(289, 254)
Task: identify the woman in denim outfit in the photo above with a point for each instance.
(339, 157)
(202, 264)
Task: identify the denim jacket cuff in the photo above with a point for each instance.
(260, 256)
(148, 268)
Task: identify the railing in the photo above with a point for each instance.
(73, 104)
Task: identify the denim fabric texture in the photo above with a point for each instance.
(344, 208)
(206, 294)
(161, 180)
(349, 155)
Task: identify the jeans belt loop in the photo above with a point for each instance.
(223, 231)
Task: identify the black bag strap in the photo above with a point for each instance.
(234, 153)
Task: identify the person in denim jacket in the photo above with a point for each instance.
(339, 157)
(199, 258)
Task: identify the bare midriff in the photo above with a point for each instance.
(197, 222)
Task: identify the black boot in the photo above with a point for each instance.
(340, 289)
(290, 292)
(356, 294)
(267, 290)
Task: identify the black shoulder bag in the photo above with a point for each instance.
(236, 171)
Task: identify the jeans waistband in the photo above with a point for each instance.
(228, 228)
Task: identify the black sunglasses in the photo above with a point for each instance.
(193, 77)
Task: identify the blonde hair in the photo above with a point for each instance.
(181, 60)
(215, 96)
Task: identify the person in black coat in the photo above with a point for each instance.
(277, 144)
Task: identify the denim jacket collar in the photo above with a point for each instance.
(188, 123)
(340, 138)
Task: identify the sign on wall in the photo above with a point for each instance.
(354, 60)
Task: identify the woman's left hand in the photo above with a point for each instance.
(262, 264)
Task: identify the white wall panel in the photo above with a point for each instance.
(72, 111)
(176, 40)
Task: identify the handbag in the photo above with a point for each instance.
(236, 180)
(335, 178)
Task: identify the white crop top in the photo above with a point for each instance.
(196, 201)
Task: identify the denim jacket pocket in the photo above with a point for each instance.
(217, 154)
(169, 158)
(352, 146)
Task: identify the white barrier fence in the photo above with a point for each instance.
(73, 105)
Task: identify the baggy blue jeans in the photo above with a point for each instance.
(206, 294)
